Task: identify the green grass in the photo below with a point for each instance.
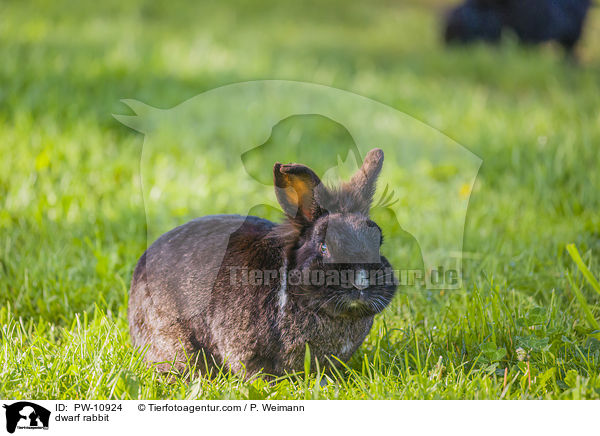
(72, 222)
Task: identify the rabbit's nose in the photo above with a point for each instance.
(361, 279)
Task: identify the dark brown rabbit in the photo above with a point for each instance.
(250, 294)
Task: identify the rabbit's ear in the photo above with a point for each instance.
(364, 181)
(294, 186)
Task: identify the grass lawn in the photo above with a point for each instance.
(72, 220)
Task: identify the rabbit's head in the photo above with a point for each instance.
(332, 246)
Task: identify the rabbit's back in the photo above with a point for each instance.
(181, 298)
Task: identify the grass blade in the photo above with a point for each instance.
(572, 249)
(586, 308)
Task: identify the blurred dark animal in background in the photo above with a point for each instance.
(533, 21)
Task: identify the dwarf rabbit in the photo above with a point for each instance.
(317, 278)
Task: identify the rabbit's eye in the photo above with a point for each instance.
(323, 249)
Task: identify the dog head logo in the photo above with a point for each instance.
(26, 415)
